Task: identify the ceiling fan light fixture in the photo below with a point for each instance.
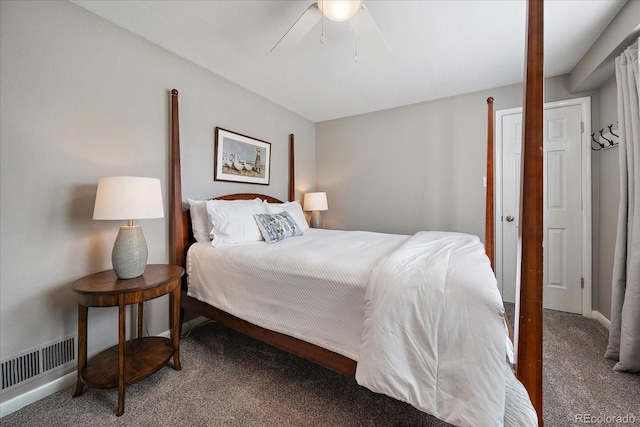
(339, 10)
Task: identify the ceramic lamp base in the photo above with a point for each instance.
(316, 219)
(129, 255)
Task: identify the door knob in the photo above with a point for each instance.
(510, 218)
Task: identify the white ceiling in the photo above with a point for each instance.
(438, 48)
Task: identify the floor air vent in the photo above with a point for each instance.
(37, 362)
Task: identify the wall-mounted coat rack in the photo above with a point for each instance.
(606, 139)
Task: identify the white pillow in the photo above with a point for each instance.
(293, 208)
(200, 223)
(233, 221)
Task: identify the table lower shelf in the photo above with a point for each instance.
(143, 357)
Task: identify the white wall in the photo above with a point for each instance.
(82, 98)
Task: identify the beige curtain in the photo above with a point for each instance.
(624, 335)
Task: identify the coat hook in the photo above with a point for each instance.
(600, 145)
(606, 139)
(610, 142)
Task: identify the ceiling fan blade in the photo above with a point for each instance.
(368, 34)
(300, 29)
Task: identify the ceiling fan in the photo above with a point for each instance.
(354, 11)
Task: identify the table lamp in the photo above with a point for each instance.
(128, 197)
(316, 202)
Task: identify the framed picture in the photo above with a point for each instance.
(240, 158)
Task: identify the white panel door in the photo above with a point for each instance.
(562, 206)
(563, 209)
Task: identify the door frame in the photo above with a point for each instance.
(586, 232)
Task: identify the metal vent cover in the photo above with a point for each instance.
(34, 363)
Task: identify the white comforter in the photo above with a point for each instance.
(434, 332)
(310, 287)
(421, 315)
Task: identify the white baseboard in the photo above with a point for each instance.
(38, 393)
(600, 318)
(65, 381)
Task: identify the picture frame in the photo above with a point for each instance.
(241, 158)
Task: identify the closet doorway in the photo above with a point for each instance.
(567, 204)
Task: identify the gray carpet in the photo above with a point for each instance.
(231, 380)
(578, 380)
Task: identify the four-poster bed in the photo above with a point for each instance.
(529, 322)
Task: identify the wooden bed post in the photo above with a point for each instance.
(489, 234)
(292, 174)
(529, 367)
(489, 225)
(176, 231)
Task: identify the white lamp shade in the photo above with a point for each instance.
(128, 197)
(315, 202)
(339, 10)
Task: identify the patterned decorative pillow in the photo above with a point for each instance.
(275, 227)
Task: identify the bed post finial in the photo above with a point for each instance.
(489, 232)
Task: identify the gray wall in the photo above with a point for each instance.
(406, 169)
(609, 198)
(415, 167)
(420, 167)
(82, 98)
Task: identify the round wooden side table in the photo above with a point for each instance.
(129, 361)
